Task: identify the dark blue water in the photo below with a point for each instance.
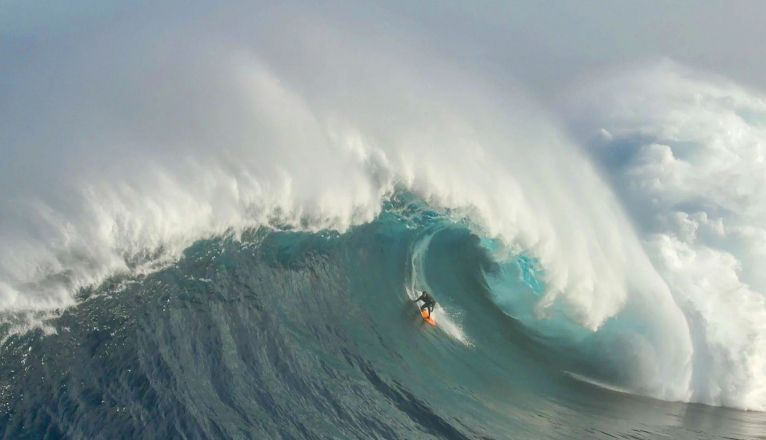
(280, 334)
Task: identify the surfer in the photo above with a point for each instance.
(428, 302)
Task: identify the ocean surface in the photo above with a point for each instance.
(296, 335)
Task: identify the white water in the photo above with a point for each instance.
(130, 159)
(693, 180)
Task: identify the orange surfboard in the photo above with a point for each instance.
(427, 318)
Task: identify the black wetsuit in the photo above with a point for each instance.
(428, 302)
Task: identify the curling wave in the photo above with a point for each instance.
(208, 141)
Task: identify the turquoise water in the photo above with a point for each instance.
(280, 334)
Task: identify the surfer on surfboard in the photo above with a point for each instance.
(428, 302)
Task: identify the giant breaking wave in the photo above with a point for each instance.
(646, 242)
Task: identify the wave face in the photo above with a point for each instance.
(217, 197)
(283, 334)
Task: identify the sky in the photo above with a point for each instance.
(545, 47)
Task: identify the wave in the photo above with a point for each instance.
(641, 257)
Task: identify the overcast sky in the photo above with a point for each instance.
(546, 46)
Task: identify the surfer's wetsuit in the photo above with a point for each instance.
(428, 302)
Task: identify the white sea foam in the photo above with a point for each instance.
(688, 155)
